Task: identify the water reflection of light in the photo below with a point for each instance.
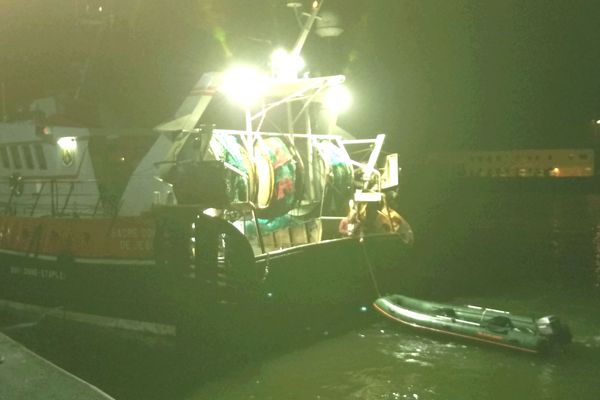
(546, 378)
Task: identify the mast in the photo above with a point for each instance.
(316, 6)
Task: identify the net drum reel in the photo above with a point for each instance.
(335, 178)
(240, 174)
(279, 176)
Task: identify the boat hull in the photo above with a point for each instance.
(164, 294)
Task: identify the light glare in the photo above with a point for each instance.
(68, 143)
(244, 85)
(337, 99)
(285, 65)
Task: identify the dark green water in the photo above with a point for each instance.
(534, 254)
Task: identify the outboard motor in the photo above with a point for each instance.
(556, 331)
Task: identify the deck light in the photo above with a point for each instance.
(285, 65)
(278, 57)
(67, 143)
(244, 85)
(43, 131)
(211, 212)
(337, 98)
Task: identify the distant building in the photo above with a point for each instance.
(516, 163)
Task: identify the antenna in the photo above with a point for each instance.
(294, 5)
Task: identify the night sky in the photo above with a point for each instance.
(433, 74)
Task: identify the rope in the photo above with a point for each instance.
(361, 241)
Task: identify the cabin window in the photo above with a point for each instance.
(4, 157)
(583, 156)
(28, 157)
(16, 157)
(39, 156)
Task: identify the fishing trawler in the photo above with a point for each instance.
(229, 209)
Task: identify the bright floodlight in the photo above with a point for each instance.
(243, 85)
(279, 59)
(67, 143)
(285, 65)
(337, 99)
